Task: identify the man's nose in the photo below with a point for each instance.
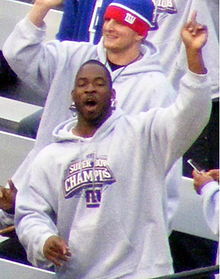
(109, 24)
(90, 88)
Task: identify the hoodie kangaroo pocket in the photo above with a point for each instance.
(101, 250)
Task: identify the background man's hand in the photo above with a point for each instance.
(7, 197)
(49, 3)
(56, 250)
(214, 174)
(200, 179)
(40, 10)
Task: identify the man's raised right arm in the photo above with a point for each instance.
(27, 53)
(40, 10)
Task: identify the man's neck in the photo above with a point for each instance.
(87, 129)
(84, 132)
(123, 58)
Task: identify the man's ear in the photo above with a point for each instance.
(140, 38)
(73, 94)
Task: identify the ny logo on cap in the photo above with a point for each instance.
(130, 18)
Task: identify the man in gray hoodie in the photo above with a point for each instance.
(133, 63)
(96, 214)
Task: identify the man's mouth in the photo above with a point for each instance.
(110, 36)
(90, 104)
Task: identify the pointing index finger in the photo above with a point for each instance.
(193, 16)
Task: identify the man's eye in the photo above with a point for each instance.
(100, 84)
(81, 84)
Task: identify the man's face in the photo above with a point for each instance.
(92, 94)
(118, 37)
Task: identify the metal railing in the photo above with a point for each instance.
(12, 270)
(198, 273)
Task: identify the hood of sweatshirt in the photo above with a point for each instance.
(63, 132)
(149, 61)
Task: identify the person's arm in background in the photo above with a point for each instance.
(40, 9)
(214, 174)
(206, 184)
(33, 60)
(200, 179)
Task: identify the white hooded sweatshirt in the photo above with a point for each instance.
(114, 224)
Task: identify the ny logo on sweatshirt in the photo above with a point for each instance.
(89, 177)
(163, 7)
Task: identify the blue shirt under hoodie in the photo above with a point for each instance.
(114, 224)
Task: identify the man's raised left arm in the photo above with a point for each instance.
(194, 36)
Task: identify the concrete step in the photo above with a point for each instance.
(13, 111)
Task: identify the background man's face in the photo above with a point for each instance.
(118, 37)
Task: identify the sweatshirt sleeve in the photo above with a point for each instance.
(35, 212)
(175, 128)
(33, 60)
(210, 201)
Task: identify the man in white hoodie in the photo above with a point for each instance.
(136, 73)
(99, 212)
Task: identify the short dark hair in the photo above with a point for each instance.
(93, 61)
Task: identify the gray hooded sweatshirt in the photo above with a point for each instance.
(105, 194)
